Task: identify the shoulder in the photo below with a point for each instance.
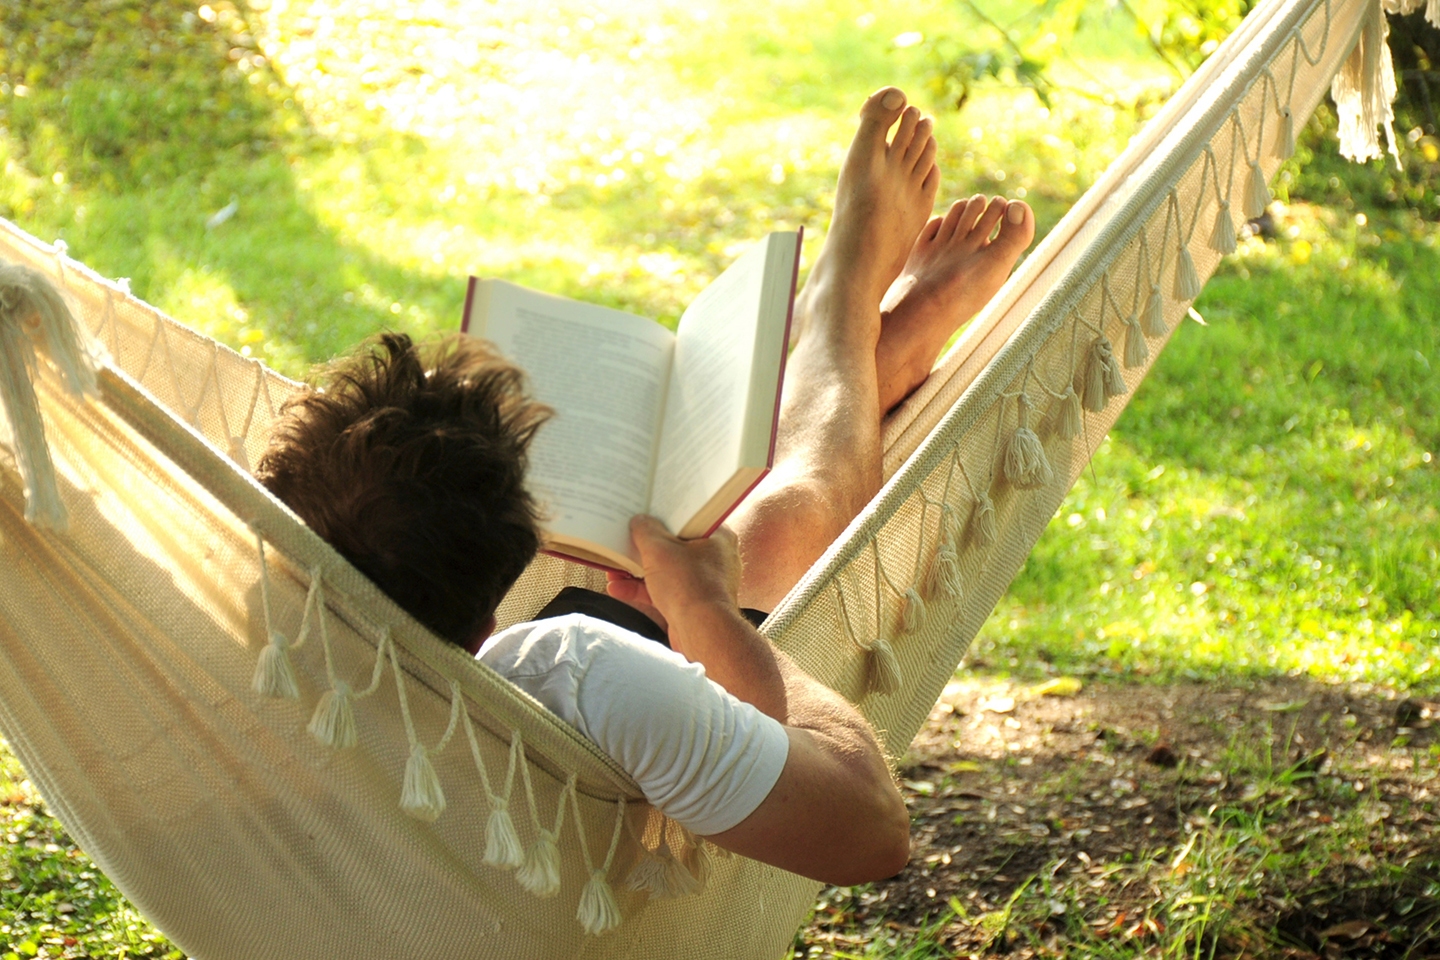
(554, 659)
(574, 641)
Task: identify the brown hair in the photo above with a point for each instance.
(411, 463)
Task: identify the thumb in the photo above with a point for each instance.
(650, 536)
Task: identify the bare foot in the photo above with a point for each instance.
(885, 193)
(953, 271)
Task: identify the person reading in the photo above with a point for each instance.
(412, 463)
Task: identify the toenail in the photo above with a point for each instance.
(892, 100)
(1016, 213)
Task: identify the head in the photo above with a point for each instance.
(411, 462)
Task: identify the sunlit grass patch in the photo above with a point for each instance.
(1269, 503)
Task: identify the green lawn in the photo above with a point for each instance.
(1266, 507)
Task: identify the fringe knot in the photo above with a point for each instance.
(540, 874)
(421, 795)
(882, 674)
(502, 844)
(333, 722)
(598, 911)
(274, 674)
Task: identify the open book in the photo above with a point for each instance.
(680, 426)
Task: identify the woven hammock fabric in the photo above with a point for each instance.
(129, 640)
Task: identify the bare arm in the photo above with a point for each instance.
(835, 814)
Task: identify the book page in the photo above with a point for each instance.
(716, 422)
(604, 373)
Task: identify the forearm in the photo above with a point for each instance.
(835, 815)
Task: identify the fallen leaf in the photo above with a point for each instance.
(998, 704)
(1352, 930)
(1058, 687)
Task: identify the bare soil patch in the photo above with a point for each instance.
(1283, 819)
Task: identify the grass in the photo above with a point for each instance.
(1266, 507)
(1268, 503)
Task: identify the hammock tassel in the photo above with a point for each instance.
(1136, 350)
(1025, 464)
(648, 875)
(33, 315)
(662, 875)
(421, 796)
(1364, 91)
(982, 520)
(502, 843)
(1103, 379)
(704, 864)
(1155, 325)
(1187, 281)
(1257, 192)
(540, 874)
(274, 675)
(1222, 238)
(1285, 145)
(333, 722)
(1070, 423)
(238, 455)
(912, 620)
(945, 574)
(883, 673)
(598, 910)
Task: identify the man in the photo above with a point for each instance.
(412, 467)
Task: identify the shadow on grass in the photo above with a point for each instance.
(171, 141)
(1277, 817)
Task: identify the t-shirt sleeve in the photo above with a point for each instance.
(702, 757)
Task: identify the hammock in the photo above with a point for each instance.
(268, 757)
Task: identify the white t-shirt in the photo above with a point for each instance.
(701, 756)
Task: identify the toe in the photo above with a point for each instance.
(922, 140)
(932, 230)
(930, 186)
(925, 158)
(905, 132)
(985, 226)
(966, 224)
(952, 219)
(879, 114)
(1017, 229)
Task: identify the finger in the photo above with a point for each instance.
(629, 591)
(650, 535)
(633, 594)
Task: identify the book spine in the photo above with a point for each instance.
(784, 357)
(469, 303)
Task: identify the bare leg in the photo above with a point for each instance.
(848, 369)
(828, 449)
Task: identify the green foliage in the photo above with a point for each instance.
(994, 44)
(1184, 32)
(1318, 175)
(1029, 50)
(1021, 52)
